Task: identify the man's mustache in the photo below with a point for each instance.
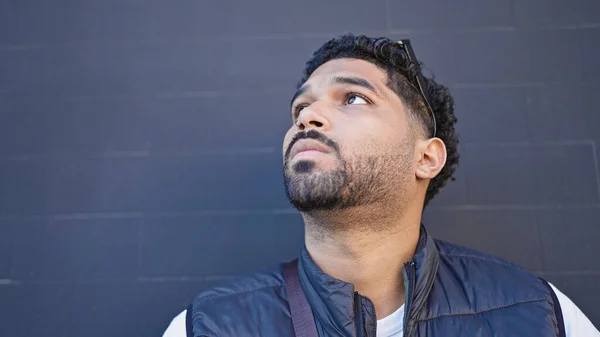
(311, 134)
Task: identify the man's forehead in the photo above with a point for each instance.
(346, 67)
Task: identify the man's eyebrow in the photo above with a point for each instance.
(361, 82)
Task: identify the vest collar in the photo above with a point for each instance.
(332, 300)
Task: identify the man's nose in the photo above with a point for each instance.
(313, 117)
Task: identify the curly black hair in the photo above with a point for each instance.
(389, 56)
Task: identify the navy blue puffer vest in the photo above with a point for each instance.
(450, 291)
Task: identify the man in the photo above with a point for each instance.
(371, 143)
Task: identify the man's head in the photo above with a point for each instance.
(361, 131)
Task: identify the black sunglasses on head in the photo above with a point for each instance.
(406, 46)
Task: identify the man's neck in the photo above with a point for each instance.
(348, 246)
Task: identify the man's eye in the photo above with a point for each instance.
(356, 99)
(297, 110)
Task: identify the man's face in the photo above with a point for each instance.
(353, 145)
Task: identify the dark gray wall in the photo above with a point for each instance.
(140, 153)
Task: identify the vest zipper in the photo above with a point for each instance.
(409, 276)
(360, 330)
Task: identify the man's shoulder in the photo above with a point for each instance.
(478, 282)
(491, 275)
(243, 285)
(232, 300)
(233, 307)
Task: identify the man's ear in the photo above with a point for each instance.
(432, 158)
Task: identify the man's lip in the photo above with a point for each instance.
(308, 145)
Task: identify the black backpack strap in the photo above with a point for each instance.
(557, 309)
(302, 316)
(189, 327)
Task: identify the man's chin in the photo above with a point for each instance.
(315, 189)
(306, 203)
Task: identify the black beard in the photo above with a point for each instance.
(309, 191)
(363, 180)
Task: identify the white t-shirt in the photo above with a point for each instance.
(576, 323)
(391, 325)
